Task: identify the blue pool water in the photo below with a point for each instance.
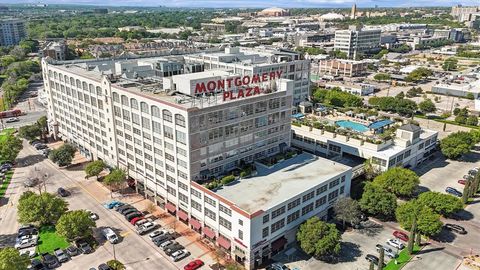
(352, 125)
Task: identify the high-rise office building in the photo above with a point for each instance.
(12, 31)
(355, 41)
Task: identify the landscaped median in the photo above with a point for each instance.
(402, 259)
(49, 240)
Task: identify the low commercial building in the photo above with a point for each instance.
(214, 27)
(464, 89)
(342, 67)
(54, 49)
(410, 147)
(361, 89)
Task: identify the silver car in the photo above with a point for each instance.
(178, 255)
(61, 255)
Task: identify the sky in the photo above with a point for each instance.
(259, 3)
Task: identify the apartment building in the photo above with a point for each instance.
(12, 31)
(54, 49)
(410, 146)
(248, 61)
(342, 67)
(465, 13)
(175, 134)
(356, 41)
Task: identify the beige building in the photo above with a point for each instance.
(342, 67)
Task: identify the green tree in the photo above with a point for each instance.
(116, 265)
(450, 64)
(400, 95)
(63, 156)
(457, 144)
(29, 132)
(461, 119)
(43, 125)
(115, 179)
(427, 106)
(75, 225)
(428, 222)
(399, 181)
(382, 77)
(466, 192)
(470, 96)
(443, 204)
(347, 210)
(418, 74)
(10, 259)
(413, 230)
(10, 147)
(42, 209)
(319, 238)
(94, 168)
(472, 120)
(378, 201)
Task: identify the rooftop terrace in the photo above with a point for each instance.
(281, 182)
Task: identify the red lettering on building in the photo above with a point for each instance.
(200, 88)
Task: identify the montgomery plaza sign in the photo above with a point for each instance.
(242, 83)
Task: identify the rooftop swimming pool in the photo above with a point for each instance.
(352, 125)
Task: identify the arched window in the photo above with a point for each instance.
(133, 103)
(144, 107)
(156, 111)
(84, 86)
(91, 88)
(55, 75)
(79, 84)
(167, 116)
(72, 81)
(116, 98)
(124, 100)
(60, 77)
(65, 78)
(99, 90)
(179, 120)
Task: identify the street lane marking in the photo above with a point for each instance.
(124, 234)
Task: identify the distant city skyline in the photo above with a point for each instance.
(257, 3)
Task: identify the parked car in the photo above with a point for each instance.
(146, 227)
(63, 192)
(61, 255)
(29, 231)
(84, 247)
(7, 166)
(401, 235)
(179, 255)
(133, 215)
(113, 204)
(173, 248)
(45, 152)
(455, 228)
(194, 265)
(30, 253)
(143, 221)
(26, 243)
(50, 260)
(156, 233)
(93, 216)
(31, 182)
(72, 251)
(36, 264)
(372, 258)
(462, 181)
(104, 266)
(453, 192)
(162, 238)
(136, 220)
(277, 266)
(40, 146)
(387, 251)
(12, 119)
(32, 143)
(110, 235)
(127, 211)
(123, 207)
(167, 244)
(395, 243)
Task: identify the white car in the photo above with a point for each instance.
(178, 255)
(167, 243)
(146, 227)
(110, 235)
(156, 233)
(25, 243)
(12, 119)
(388, 251)
(395, 243)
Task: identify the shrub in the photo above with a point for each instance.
(228, 179)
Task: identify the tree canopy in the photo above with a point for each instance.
(336, 97)
(457, 144)
(450, 64)
(10, 146)
(10, 259)
(63, 156)
(427, 106)
(347, 210)
(94, 168)
(396, 104)
(428, 222)
(399, 181)
(378, 201)
(441, 203)
(382, 77)
(42, 209)
(29, 132)
(319, 238)
(75, 225)
(115, 178)
(419, 74)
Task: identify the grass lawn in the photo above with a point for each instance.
(4, 186)
(50, 240)
(402, 259)
(5, 132)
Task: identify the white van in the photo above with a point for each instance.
(110, 235)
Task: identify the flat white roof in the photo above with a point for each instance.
(285, 180)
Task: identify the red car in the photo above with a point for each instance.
(135, 220)
(193, 265)
(462, 182)
(401, 235)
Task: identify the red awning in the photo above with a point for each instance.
(182, 215)
(195, 223)
(279, 243)
(170, 207)
(208, 232)
(224, 242)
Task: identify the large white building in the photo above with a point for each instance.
(12, 31)
(175, 133)
(356, 41)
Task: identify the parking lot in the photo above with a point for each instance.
(134, 250)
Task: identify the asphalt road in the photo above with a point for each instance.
(134, 251)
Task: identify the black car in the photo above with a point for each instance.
(104, 267)
(129, 211)
(38, 265)
(40, 146)
(84, 247)
(29, 231)
(455, 228)
(162, 238)
(63, 192)
(125, 206)
(372, 258)
(72, 251)
(133, 215)
(169, 251)
(27, 227)
(50, 260)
